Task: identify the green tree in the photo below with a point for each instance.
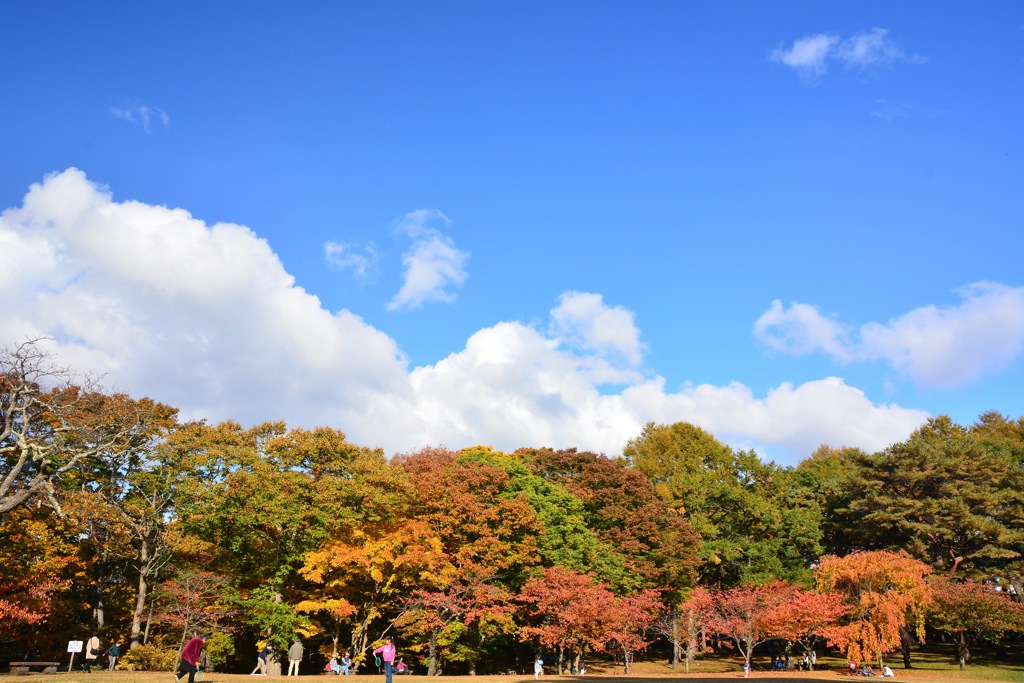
(946, 498)
(755, 522)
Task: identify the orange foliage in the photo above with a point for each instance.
(884, 591)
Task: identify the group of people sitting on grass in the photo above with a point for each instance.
(866, 670)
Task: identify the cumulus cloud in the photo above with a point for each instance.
(583, 320)
(362, 261)
(206, 318)
(940, 347)
(865, 51)
(432, 263)
(142, 115)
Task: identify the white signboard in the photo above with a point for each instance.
(74, 646)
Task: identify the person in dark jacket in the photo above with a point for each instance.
(113, 652)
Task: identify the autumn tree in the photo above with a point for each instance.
(363, 574)
(971, 611)
(564, 610)
(194, 602)
(745, 614)
(626, 514)
(448, 616)
(487, 536)
(806, 618)
(885, 591)
(264, 497)
(39, 561)
(565, 539)
(52, 423)
(626, 623)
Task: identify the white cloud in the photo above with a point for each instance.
(808, 55)
(864, 51)
(800, 330)
(955, 345)
(935, 347)
(432, 263)
(362, 261)
(584, 321)
(206, 318)
(142, 115)
(871, 49)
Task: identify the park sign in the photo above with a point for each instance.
(75, 646)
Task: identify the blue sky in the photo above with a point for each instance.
(524, 223)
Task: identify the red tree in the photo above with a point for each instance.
(745, 614)
(565, 611)
(970, 610)
(626, 623)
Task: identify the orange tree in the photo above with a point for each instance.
(806, 617)
(39, 563)
(487, 536)
(51, 427)
(885, 591)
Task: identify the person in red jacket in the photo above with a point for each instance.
(190, 658)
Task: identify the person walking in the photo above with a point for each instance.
(538, 666)
(294, 657)
(387, 653)
(92, 652)
(113, 652)
(261, 661)
(190, 658)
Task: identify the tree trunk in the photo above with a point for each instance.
(145, 563)
(359, 643)
(274, 658)
(906, 642)
(432, 662)
(963, 653)
(691, 639)
(676, 648)
(149, 618)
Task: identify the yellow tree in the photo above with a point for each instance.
(360, 576)
(885, 591)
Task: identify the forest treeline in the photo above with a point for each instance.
(118, 518)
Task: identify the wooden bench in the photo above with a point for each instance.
(22, 668)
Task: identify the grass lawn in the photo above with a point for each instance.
(934, 663)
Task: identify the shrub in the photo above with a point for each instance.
(148, 658)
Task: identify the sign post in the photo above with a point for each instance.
(73, 647)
